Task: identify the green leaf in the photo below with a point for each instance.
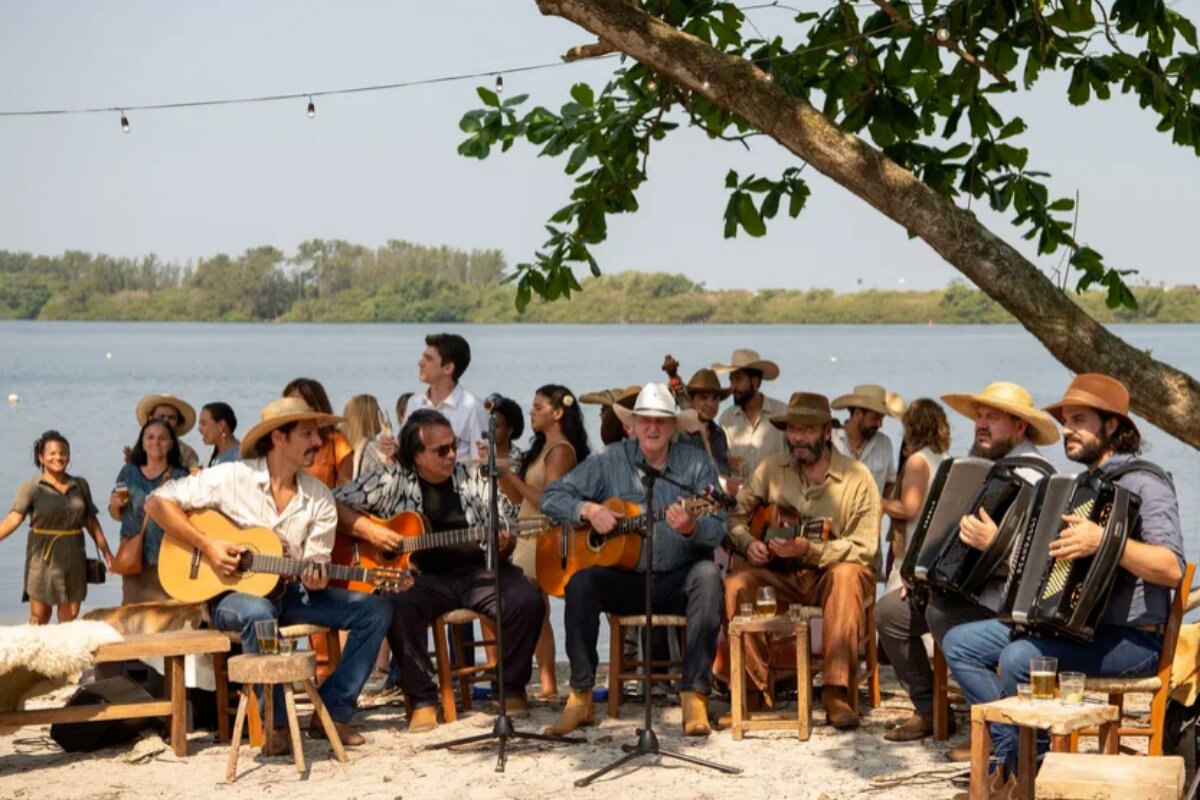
(578, 156)
(583, 94)
(731, 179)
(488, 97)
(749, 217)
(1013, 127)
(515, 100)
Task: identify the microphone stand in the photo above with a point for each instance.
(503, 729)
(647, 741)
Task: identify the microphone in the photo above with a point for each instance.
(720, 497)
(492, 401)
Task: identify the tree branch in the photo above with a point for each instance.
(1162, 394)
(953, 47)
(579, 52)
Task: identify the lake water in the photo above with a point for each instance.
(85, 379)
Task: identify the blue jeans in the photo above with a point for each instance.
(988, 663)
(365, 616)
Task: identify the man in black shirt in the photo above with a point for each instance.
(451, 496)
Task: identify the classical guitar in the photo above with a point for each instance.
(186, 576)
(779, 522)
(416, 533)
(579, 547)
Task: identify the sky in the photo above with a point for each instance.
(187, 184)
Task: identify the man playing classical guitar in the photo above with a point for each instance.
(270, 489)
(451, 496)
(817, 482)
(686, 580)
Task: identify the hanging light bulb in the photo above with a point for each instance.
(312, 108)
(652, 85)
(770, 73)
(124, 123)
(499, 84)
(943, 33)
(705, 85)
(852, 57)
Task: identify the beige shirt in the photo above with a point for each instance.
(754, 442)
(848, 497)
(241, 490)
(876, 454)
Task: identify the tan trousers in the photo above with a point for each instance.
(838, 590)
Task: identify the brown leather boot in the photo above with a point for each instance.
(423, 720)
(837, 708)
(695, 714)
(959, 753)
(278, 743)
(517, 707)
(918, 726)
(1001, 786)
(347, 735)
(579, 710)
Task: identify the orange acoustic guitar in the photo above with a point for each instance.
(780, 522)
(621, 547)
(186, 576)
(415, 530)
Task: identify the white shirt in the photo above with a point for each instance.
(753, 442)
(241, 490)
(468, 418)
(877, 455)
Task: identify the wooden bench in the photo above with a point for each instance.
(171, 647)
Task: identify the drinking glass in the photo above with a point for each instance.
(1024, 692)
(766, 606)
(1041, 675)
(1070, 687)
(268, 637)
(746, 610)
(287, 647)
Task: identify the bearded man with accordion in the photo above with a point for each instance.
(1096, 594)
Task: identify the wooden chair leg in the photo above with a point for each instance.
(322, 713)
(294, 727)
(616, 666)
(1158, 714)
(464, 679)
(268, 712)
(737, 685)
(442, 659)
(941, 699)
(177, 694)
(236, 743)
(333, 647)
(979, 760)
(254, 717)
(874, 695)
(221, 677)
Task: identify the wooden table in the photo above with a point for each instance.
(744, 720)
(171, 647)
(1057, 718)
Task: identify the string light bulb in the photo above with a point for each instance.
(770, 73)
(651, 85)
(852, 57)
(499, 84)
(705, 85)
(312, 108)
(943, 33)
(124, 123)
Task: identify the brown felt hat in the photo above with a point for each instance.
(749, 359)
(873, 398)
(805, 408)
(1096, 391)
(705, 380)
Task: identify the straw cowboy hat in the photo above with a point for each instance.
(1091, 389)
(1009, 398)
(749, 359)
(608, 397)
(655, 400)
(279, 413)
(873, 398)
(705, 380)
(804, 408)
(147, 404)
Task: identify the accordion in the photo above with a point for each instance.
(1068, 597)
(954, 483)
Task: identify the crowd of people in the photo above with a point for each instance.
(311, 475)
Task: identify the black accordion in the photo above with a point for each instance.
(954, 483)
(944, 562)
(1062, 597)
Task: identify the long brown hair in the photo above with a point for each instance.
(925, 425)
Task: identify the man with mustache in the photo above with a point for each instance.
(989, 661)
(816, 482)
(686, 579)
(270, 489)
(751, 438)
(1007, 424)
(451, 495)
(861, 438)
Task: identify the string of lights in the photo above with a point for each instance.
(851, 59)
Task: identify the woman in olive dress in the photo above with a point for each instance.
(60, 509)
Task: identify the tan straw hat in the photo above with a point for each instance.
(1011, 399)
(1096, 391)
(147, 404)
(279, 413)
(872, 398)
(804, 408)
(749, 359)
(608, 397)
(705, 380)
(654, 400)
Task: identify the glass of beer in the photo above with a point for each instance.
(765, 607)
(268, 637)
(1041, 675)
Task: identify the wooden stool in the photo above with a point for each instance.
(267, 671)
(744, 720)
(1075, 776)
(1058, 718)
(621, 670)
(465, 674)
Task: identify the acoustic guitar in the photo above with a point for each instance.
(780, 522)
(416, 533)
(579, 547)
(187, 576)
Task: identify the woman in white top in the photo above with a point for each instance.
(364, 422)
(927, 440)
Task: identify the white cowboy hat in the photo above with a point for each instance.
(187, 414)
(1011, 399)
(749, 359)
(279, 413)
(654, 400)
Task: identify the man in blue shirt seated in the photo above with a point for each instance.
(686, 579)
(989, 660)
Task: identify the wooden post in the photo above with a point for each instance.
(445, 682)
(236, 743)
(177, 694)
(1026, 761)
(268, 714)
(221, 676)
(737, 681)
(803, 679)
(322, 713)
(294, 727)
(941, 698)
(979, 757)
(616, 665)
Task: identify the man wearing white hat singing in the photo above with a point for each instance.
(686, 579)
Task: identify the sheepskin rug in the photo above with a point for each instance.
(35, 659)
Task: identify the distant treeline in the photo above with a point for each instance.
(335, 281)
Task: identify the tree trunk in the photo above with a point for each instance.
(1161, 393)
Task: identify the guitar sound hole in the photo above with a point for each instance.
(595, 540)
(245, 562)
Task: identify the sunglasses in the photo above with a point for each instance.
(444, 450)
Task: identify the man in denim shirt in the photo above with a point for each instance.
(1097, 432)
(686, 579)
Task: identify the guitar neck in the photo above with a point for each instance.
(292, 567)
(638, 523)
(475, 533)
